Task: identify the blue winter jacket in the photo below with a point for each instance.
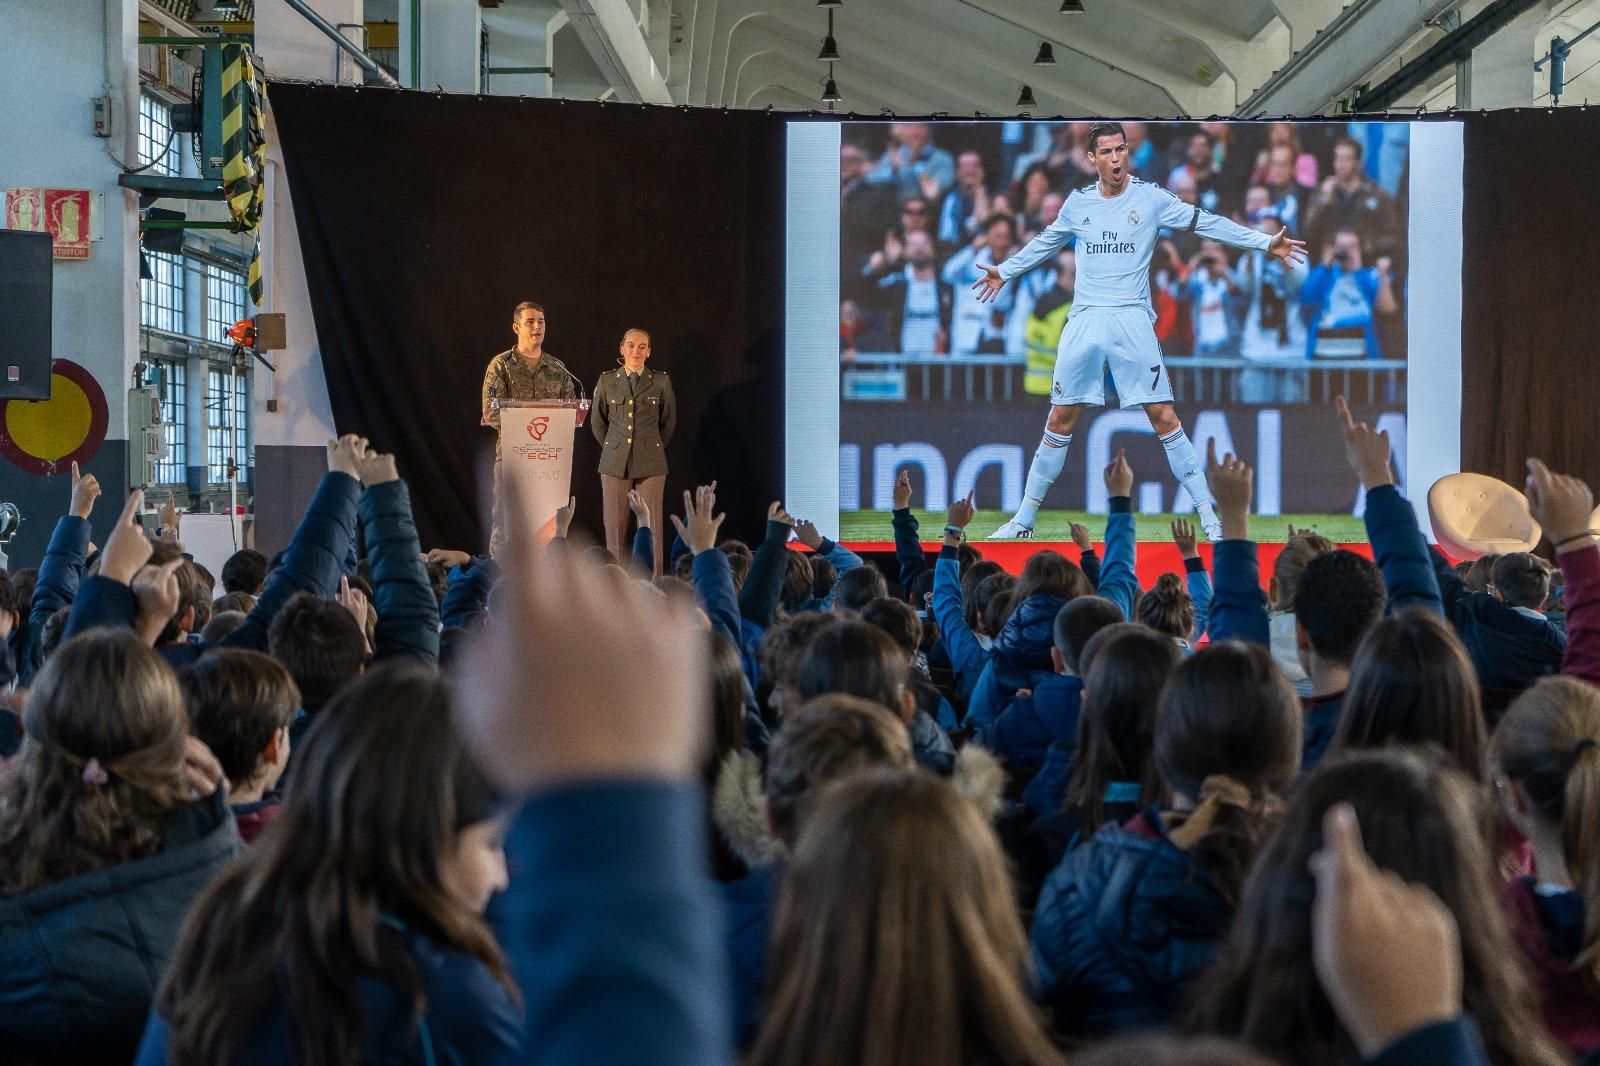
(60, 572)
(748, 905)
(1509, 649)
(313, 563)
(1020, 658)
(613, 929)
(1027, 731)
(967, 657)
(80, 959)
(468, 1017)
(1124, 926)
(1057, 702)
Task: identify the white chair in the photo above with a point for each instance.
(1475, 515)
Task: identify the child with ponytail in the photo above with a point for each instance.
(1132, 917)
(1545, 760)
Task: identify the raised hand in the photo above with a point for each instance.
(85, 490)
(806, 533)
(776, 513)
(155, 590)
(1388, 953)
(127, 549)
(988, 286)
(354, 601)
(449, 557)
(344, 455)
(1184, 537)
(543, 704)
(703, 523)
(1287, 248)
(169, 516)
(1233, 484)
(1562, 504)
(960, 513)
(564, 516)
(376, 468)
(1080, 537)
(1119, 475)
(1366, 451)
(640, 509)
(902, 491)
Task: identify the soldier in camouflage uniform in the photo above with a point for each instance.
(526, 372)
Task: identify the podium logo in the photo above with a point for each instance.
(537, 427)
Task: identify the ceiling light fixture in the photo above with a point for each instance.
(1046, 56)
(1025, 99)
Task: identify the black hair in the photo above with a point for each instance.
(245, 571)
(321, 644)
(859, 587)
(1338, 598)
(1080, 619)
(1103, 129)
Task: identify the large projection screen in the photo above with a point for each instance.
(893, 364)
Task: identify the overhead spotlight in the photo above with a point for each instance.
(1046, 56)
(830, 3)
(1071, 7)
(830, 92)
(1025, 98)
(830, 50)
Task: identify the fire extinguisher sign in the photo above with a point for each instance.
(63, 213)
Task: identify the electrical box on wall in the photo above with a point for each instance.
(100, 109)
(146, 442)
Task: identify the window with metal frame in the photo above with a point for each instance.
(170, 378)
(158, 144)
(161, 294)
(227, 424)
(225, 301)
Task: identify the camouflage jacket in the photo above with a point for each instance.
(511, 377)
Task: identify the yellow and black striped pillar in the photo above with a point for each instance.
(244, 139)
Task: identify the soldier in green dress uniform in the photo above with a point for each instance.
(633, 419)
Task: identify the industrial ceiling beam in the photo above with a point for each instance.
(1457, 44)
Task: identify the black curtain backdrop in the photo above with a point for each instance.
(1529, 329)
(425, 218)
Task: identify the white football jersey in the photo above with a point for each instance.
(1116, 237)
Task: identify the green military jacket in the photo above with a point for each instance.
(510, 377)
(633, 422)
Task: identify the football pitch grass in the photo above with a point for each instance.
(1055, 526)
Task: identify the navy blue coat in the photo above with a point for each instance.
(1020, 658)
(313, 562)
(748, 905)
(1124, 925)
(1056, 703)
(80, 959)
(1509, 649)
(468, 1017)
(59, 574)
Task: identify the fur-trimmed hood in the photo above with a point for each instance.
(739, 804)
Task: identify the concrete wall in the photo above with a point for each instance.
(54, 58)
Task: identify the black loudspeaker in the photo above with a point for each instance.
(24, 315)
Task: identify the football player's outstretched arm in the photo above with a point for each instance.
(1036, 251)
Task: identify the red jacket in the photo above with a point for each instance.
(1582, 572)
(1549, 929)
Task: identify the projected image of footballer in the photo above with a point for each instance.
(1116, 223)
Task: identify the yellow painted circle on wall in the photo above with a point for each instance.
(47, 436)
(54, 428)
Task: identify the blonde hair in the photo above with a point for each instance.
(100, 766)
(1549, 744)
(1291, 563)
(896, 937)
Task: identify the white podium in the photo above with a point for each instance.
(536, 452)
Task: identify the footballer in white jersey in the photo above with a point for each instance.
(1115, 223)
